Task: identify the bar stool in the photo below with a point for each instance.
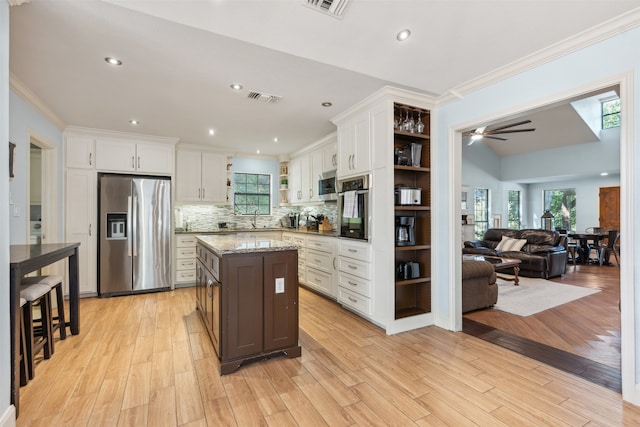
(55, 284)
(24, 369)
(34, 295)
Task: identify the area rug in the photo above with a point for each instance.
(535, 295)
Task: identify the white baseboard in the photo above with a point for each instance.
(8, 418)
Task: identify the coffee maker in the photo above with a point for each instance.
(405, 232)
(293, 220)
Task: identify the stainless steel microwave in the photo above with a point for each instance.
(327, 186)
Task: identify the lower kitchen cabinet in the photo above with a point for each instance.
(249, 304)
(185, 259)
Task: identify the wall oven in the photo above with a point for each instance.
(353, 207)
(327, 186)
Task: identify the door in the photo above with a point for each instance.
(151, 233)
(115, 244)
(610, 208)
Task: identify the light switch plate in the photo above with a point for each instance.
(279, 285)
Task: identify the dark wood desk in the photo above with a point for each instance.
(584, 246)
(25, 259)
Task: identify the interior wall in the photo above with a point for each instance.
(24, 121)
(587, 199)
(5, 361)
(593, 67)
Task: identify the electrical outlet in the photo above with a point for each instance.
(16, 210)
(279, 285)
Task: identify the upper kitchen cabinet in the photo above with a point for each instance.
(79, 152)
(201, 176)
(330, 154)
(131, 156)
(353, 147)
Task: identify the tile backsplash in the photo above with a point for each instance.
(207, 217)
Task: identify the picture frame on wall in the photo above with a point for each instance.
(12, 148)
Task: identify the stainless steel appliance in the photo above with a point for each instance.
(353, 207)
(409, 155)
(294, 217)
(408, 195)
(408, 270)
(134, 234)
(405, 232)
(327, 186)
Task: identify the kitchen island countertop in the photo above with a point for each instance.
(236, 243)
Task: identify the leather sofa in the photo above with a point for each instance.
(479, 288)
(544, 255)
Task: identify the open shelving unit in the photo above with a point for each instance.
(413, 296)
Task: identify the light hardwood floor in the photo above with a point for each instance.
(145, 360)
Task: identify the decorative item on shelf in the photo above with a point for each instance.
(547, 220)
(228, 182)
(284, 184)
(284, 170)
(229, 166)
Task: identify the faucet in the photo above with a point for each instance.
(255, 218)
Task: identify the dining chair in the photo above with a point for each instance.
(605, 250)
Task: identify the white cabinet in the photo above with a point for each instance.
(200, 176)
(185, 259)
(80, 224)
(304, 172)
(130, 156)
(330, 157)
(355, 277)
(79, 152)
(320, 263)
(300, 241)
(354, 137)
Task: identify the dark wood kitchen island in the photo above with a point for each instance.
(247, 297)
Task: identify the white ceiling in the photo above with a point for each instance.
(180, 58)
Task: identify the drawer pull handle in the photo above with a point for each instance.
(353, 267)
(317, 260)
(352, 250)
(352, 283)
(353, 299)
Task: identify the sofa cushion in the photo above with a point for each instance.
(509, 244)
(540, 237)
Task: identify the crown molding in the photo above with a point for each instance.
(589, 37)
(16, 85)
(17, 2)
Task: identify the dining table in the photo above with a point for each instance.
(25, 259)
(584, 243)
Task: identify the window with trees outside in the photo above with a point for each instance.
(513, 214)
(481, 211)
(562, 205)
(252, 193)
(611, 113)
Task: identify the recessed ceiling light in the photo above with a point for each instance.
(403, 35)
(257, 151)
(212, 132)
(276, 139)
(134, 122)
(604, 174)
(236, 86)
(327, 104)
(113, 61)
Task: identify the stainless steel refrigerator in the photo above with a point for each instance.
(135, 234)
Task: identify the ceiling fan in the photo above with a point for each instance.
(483, 132)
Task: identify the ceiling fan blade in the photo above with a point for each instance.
(494, 137)
(508, 131)
(510, 126)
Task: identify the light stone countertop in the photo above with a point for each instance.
(237, 243)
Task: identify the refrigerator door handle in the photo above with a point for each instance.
(134, 221)
(129, 236)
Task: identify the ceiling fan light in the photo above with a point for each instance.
(476, 136)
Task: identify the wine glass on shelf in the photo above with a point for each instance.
(419, 124)
(408, 124)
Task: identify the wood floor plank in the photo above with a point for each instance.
(155, 366)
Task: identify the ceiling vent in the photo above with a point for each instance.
(264, 97)
(333, 8)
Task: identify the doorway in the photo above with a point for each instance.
(614, 312)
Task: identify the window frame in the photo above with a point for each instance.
(481, 224)
(245, 201)
(604, 115)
